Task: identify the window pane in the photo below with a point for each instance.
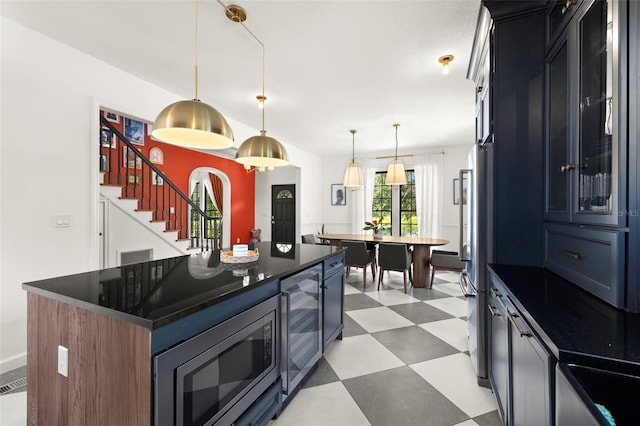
(404, 197)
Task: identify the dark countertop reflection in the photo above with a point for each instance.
(155, 293)
(575, 325)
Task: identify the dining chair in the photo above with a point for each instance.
(359, 256)
(308, 239)
(442, 260)
(394, 257)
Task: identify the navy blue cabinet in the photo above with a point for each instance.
(586, 147)
(333, 300)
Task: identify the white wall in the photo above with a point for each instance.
(49, 101)
(337, 219)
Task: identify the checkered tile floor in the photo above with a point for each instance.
(403, 360)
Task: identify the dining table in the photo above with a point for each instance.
(421, 250)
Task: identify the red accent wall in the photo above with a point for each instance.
(180, 162)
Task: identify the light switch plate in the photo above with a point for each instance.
(63, 361)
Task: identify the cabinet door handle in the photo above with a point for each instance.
(568, 5)
(573, 255)
(493, 311)
(512, 318)
(567, 167)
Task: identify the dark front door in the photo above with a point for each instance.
(283, 213)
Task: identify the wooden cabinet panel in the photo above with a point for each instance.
(109, 379)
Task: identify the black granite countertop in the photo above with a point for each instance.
(575, 325)
(156, 293)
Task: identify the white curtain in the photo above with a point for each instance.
(429, 193)
(363, 204)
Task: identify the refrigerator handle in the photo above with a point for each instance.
(463, 174)
(465, 287)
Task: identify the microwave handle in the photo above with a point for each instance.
(285, 299)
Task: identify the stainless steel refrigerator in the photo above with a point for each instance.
(472, 193)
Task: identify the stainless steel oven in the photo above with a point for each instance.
(212, 378)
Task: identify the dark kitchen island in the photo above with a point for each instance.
(116, 322)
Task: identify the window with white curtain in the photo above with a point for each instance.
(395, 206)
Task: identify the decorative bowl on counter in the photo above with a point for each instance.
(228, 257)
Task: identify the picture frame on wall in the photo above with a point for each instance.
(107, 137)
(112, 117)
(156, 155)
(338, 195)
(133, 179)
(156, 179)
(134, 131)
(130, 160)
(104, 162)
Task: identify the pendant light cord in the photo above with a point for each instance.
(396, 126)
(196, 55)
(353, 146)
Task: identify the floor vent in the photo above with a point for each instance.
(16, 384)
(136, 256)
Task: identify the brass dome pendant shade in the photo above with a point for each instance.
(395, 172)
(262, 152)
(353, 180)
(193, 124)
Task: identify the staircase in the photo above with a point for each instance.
(140, 190)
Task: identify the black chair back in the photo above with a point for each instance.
(308, 239)
(394, 256)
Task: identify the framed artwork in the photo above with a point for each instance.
(107, 137)
(156, 179)
(456, 191)
(134, 131)
(104, 162)
(130, 160)
(156, 155)
(338, 195)
(112, 116)
(133, 179)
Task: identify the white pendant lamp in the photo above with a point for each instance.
(352, 180)
(260, 152)
(395, 171)
(192, 123)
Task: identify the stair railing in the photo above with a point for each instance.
(155, 192)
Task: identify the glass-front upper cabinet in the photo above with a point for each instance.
(597, 170)
(557, 113)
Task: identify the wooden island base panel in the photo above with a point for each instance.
(421, 250)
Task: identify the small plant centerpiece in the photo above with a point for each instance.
(376, 226)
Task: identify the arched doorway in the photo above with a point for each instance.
(200, 181)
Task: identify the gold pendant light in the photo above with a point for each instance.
(352, 180)
(395, 171)
(192, 123)
(260, 152)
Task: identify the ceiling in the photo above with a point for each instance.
(330, 66)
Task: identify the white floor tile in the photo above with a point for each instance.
(329, 404)
(359, 355)
(351, 290)
(391, 297)
(451, 305)
(453, 331)
(378, 319)
(455, 378)
(467, 423)
(452, 289)
(13, 409)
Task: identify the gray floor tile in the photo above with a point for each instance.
(352, 328)
(420, 312)
(324, 374)
(414, 344)
(427, 293)
(353, 302)
(490, 419)
(401, 397)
